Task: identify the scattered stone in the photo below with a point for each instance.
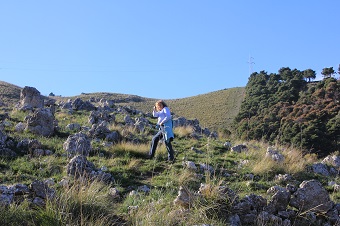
(30, 98)
(239, 148)
(184, 198)
(311, 196)
(41, 122)
(76, 144)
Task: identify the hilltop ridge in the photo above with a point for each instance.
(214, 110)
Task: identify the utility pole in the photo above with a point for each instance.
(250, 62)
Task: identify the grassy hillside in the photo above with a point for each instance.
(9, 93)
(146, 191)
(214, 110)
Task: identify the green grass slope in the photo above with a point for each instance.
(214, 110)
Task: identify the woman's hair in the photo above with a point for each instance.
(161, 102)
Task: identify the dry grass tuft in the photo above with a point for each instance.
(128, 147)
(134, 164)
(294, 160)
(183, 131)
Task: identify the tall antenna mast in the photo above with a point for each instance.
(251, 62)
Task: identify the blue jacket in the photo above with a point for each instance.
(167, 131)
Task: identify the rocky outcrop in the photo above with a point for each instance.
(76, 144)
(99, 116)
(41, 122)
(30, 98)
(35, 194)
(274, 154)
(184, 198)
(80, 167)
(78, 104)
(5, 150)
(307, 205)
(311, 196)
(100, 131)
(239, 148)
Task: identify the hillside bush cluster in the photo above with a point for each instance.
(284, 108)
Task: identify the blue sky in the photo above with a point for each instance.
(161, 49)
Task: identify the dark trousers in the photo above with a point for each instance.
(154, 144)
